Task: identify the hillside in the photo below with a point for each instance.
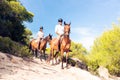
(15, 68)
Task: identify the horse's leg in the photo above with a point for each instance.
(49, 57)
(44, 54)
(56, 56)
(32, 50)
(33, 53)
(52, 57)
(62, 59)
(36, 53)
(67, 55)
(40, 55)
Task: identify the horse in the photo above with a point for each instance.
(53, 49)
(65, 44)
(34, 46)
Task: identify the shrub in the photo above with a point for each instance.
(11, 47)
(78, 51)
(106, 52)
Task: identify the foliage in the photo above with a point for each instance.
(48, 50)
(11, 47)
(27, 36)
(106, 51)
(78, 51)
(12, 16)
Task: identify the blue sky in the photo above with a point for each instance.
(89, 18)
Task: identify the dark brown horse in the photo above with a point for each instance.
(65, 44)
(34, 46)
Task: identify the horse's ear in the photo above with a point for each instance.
(69, 23)
(50, 34)
(64, 23)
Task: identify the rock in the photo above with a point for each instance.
(103, 73)
(72, 62)
(78, 63)
(81, 65)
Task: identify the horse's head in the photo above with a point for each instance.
(66, 28)
(49, 38)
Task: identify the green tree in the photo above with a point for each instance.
(78, 51)
(106, 51)
(12, 16)
(27, 36)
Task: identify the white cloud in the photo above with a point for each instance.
(82, 31)
(87, 42)
(87, 36)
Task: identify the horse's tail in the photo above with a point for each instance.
(30, 46)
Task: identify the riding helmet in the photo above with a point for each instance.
(41, 27)
(60, 20)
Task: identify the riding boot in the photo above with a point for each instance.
(39, 45)
(58, 46)
(59, 42)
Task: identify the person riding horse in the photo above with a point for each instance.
(40, 36)
(33, 46)
(64, 42)
(59, 30)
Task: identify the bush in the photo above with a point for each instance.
(14, 48)
(78, 51)
(106, 51)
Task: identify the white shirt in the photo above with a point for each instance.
(59, 29)
(40, 35)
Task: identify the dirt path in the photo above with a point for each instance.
(14, 68)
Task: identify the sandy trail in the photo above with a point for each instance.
(15, 68)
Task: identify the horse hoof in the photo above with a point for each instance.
(56, 63)
(62, 68)
(67, 68)
(53, 64)
(41, 60)
(47, 62)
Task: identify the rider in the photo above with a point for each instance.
(59, 30)
(40, 36)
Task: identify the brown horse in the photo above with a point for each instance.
(34, 46)
(65, 44)
(53, 49)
